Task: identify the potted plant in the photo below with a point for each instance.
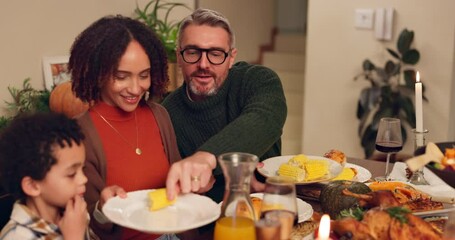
(26, 99)
(388, 94)
(167, 30)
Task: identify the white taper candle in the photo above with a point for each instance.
(418, 103)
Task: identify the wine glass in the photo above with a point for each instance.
(388, 140)
(279, 203)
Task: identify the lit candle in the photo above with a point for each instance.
(324, 228)
(418, 102)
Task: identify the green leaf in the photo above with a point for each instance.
(368, 65)
(411, 57)
(4, 121)
(407, 106)
(165, 29)
(355, 212)
(399, 213)
(394, 54)
(360, 110)
(368, 141)
(391, 68)
(404, 41)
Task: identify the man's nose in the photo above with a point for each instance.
(204, 62)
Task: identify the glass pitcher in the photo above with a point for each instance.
(237, 214)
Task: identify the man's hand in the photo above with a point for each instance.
(256, 186)
(192, 174)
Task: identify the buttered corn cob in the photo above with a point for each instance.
(158, 199)
(298, 160)
(346, 174)
(295, 172)
(316, 169)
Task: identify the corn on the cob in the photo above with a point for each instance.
(296, 173)
(346, 174)
(316, 169)
(298, 160)
(158, 199)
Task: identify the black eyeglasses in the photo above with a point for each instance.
(215, 56)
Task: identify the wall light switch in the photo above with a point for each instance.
(364, 18)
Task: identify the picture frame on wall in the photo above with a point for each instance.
(55, 70)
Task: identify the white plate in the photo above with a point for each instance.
(363, 174)
(304, 210)
(271, 166)
(189, 211)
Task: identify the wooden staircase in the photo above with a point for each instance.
(288, 60)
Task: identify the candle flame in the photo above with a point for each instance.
(324, 227)
(417, 76)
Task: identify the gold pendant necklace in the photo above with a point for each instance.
(137, 149)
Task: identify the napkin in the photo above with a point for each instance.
(432, 154)
(437, 188)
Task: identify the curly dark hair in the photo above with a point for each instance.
(26, 147)
(96, 53)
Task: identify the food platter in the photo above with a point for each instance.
(189, 211)
(270, 167)
(447, 207)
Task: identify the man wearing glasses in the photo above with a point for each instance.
(221, 107)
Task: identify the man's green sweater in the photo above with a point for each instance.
(246, 115)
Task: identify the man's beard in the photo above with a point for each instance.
(206, 93)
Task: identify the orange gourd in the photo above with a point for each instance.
(63, 100)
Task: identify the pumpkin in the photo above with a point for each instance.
(332, 199)
(63, 100)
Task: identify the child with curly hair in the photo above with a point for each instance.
(41, 161)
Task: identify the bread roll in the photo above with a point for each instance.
(336, 155)
(242, 210)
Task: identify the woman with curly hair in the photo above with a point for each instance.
(119, 66)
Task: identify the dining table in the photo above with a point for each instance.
(305, 229)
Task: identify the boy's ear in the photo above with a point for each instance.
(30, 186)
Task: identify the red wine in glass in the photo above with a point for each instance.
(389, 147)
(388, 140)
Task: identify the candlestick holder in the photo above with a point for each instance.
(417, 177)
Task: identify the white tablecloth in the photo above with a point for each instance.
(437, 187)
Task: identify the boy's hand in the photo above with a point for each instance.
(74, 221)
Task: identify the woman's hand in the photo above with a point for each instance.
(109, 192)
(74, 221)
(192, 174)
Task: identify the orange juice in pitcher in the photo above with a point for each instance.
(228, 228)
(237, 217)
